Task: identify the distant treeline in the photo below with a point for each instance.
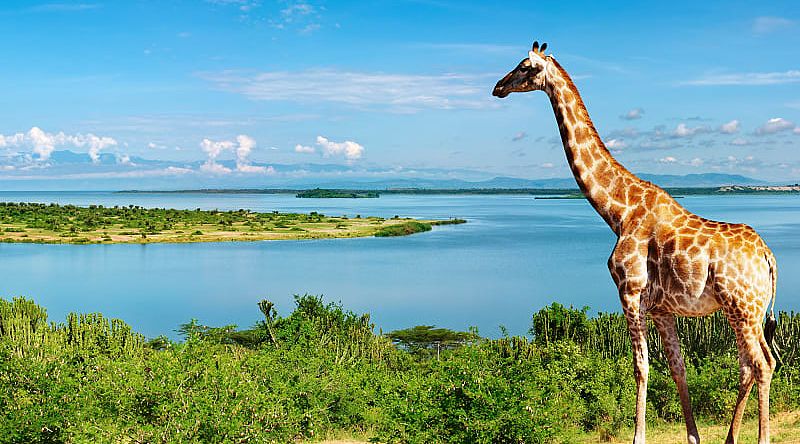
(566, 192)
(323, 371)
(319, 193)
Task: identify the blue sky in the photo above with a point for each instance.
(221, 90)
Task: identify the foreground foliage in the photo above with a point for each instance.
(321, 370)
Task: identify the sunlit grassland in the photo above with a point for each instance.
(95, 224)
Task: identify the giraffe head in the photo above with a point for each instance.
(529, 75)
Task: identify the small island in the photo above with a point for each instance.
(319, 193)
(96, 224)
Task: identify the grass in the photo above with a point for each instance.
(784, 428)
(69, 224)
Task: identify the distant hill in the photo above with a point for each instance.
(664, 180)
(68, 170)
(701, 180)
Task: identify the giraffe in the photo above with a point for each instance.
(667, 261)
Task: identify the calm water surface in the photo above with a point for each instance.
(514, 256)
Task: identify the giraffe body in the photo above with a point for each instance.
(667, 261)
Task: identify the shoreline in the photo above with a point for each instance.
(34, 223)
(405, 227)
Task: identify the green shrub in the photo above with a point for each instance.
(403, 229)
(322, 370)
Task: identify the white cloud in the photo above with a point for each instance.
(682, 130)
(43, 143)
(696, 162)
(730, 127)
(124, 159)
(177, 170)
(752, 78)
(214, 149)
(304, 149)
(668, 159)
(212, 167)
(392, 92)
(351, 150)
(297, 9)
(765, 25)
(246, 145)
(247, 168)
(519, 136)
(156, 146)
(740, 142)
(633, 114)
(242, 148)
(11, 140)
(95, 144)
(796, 130)
(548, 165)
(615, 144)
(299, 15)
(775, 125)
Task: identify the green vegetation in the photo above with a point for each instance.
(423, 340)
(322, 371)
(403, 229)
(337, 194)
(411, 227)
(564, 196)
(557, 192)
(51, 223)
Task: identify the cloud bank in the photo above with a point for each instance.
(43, 143)
(393, 92)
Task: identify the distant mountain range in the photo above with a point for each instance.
(664, 180)
(68, 170)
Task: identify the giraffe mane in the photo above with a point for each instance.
(579, 102)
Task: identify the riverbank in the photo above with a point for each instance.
(95, 224)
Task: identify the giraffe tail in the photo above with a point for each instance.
(771, 324)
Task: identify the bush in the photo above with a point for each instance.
(322, 370)
(403, 229)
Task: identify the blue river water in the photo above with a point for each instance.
(515, 255)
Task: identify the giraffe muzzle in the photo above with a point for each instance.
(499, 91)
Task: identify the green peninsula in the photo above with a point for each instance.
(96, 224)
(320, 193)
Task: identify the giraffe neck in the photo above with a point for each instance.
(603, 181)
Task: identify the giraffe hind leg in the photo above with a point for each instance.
(756, 365)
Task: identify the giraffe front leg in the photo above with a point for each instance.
(637, 327)
(628, 267)
(665, 323)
